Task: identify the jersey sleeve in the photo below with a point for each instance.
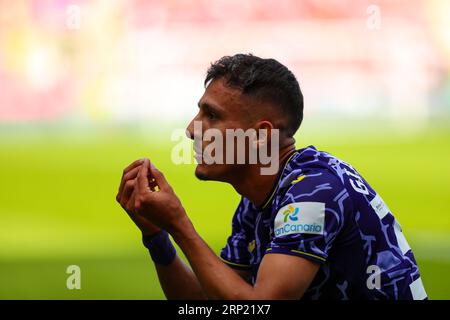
(309, 217)
(237, 252)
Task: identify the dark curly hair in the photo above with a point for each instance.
(264, 79)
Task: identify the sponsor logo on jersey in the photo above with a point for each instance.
(251, 246)
(380, 207)
(299, 178)
(299, 218)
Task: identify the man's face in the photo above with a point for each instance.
(220, 108)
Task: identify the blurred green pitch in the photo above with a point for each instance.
(57, 206)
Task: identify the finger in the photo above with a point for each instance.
(132, 173)
(133, 165)
(128, 176)
(127, 191)
(129, 206)
(142, 177)
(125, 172)
(159, 178)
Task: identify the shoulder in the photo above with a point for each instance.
(319, 185)
(313, 202)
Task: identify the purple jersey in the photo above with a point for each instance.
(321, 209)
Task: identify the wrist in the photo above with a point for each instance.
(148, 239)
(150, 232)
(160, 247)
(183, 230)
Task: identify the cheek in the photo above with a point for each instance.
(213, 132)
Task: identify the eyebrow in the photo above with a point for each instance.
(209, 106)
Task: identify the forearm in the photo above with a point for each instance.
(176, 278)
(178, 281)
(217, 279)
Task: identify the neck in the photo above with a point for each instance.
(255, 186)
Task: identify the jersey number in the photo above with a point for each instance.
(357, 182)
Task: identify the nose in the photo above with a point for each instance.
(190, 130)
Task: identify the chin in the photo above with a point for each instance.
(200, 174)
(209, 172)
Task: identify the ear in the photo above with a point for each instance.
(263, 133)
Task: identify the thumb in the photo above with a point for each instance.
(159, 178)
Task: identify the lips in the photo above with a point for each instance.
(198, 151)
(198, 158)
(198, 154)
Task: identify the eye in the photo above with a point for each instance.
(211, 115)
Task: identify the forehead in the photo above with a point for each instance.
(217, 93)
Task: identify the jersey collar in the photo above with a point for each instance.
(277, 182)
